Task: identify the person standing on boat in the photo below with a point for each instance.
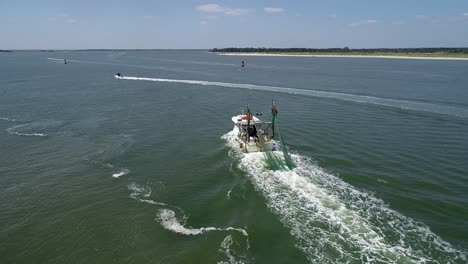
(253, 132)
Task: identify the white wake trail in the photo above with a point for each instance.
(333, 222)
(169, 221)
(231, 252)
(14, 130)
(55, 59)
(397, 103)
(142, 193)
(120, 173)
(7, 119)
(168, 218)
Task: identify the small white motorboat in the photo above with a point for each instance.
(253, 134)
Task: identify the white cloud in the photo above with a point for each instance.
(203, 22)
(363, 22)
(237, 11)
(333, 16)
(214, 8)
(443, 19)
(63, 18)
(273, 9)
(148, 17)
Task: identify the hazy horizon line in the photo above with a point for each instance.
(179, 49)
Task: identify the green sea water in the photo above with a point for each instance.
(145, 169)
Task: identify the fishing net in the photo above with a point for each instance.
(273, 159)
(287, 157)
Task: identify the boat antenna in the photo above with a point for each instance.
(248, 123)
(274, 112)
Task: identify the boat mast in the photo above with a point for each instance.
(248, 123)
(274, 112)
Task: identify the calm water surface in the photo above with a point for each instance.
(99, 170)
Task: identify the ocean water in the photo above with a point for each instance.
(145, 169)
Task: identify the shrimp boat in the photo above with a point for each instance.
(253, 134)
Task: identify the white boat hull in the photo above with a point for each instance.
(255, 147)
(253, 144)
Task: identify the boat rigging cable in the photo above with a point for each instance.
(273, 161)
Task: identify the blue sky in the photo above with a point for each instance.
(61, 24)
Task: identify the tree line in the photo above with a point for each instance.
(343, 50)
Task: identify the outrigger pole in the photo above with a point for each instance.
(274, 112)
(248, 122)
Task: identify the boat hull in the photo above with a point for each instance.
(255, 146)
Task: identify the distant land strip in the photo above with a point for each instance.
(380, 52)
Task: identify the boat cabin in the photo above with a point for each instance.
(253, 134)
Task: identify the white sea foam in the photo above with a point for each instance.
(169, 221)
(397, 103)
(36, 128)
(7, 119)
(334, 222)
(13, 131)
(167, 217)
(226, 249)
(121, 173)
(28, 134)
(137, 190)
(142, 193)
(55, 59)
(382, 181)
(232, 257)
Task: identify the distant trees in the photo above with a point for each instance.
(344, 50)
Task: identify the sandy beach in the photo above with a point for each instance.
(340, 56)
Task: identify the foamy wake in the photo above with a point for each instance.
(169, 221)
(55, 59)
(13, 131)
(37, 128)
(121, 173)
(334, 222)
(227, 248)
(7, 119)
(28, 134)
(142, 193)
(397, 103)
(167, 217)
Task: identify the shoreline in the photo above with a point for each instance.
(337, 56)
